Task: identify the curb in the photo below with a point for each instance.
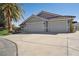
(14, 44)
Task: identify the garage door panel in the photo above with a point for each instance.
(35, 27)
(59, 26)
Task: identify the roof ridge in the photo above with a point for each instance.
(48, 13)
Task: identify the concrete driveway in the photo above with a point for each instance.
(46, 44)
(7, 48)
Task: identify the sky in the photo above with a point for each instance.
(71, 9)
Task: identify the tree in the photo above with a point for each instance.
(2, 20)
(2, 23)
(11, 11)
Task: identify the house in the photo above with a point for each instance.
(76, 24)
(48, 22)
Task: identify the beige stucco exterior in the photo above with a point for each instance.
(55, 25)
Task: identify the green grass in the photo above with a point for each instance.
(3, 32)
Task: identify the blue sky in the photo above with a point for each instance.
(58, 8)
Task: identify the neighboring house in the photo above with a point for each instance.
(48, 22)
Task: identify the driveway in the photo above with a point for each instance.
(46, 44)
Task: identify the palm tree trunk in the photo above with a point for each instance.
(9, 25)
(6, 25)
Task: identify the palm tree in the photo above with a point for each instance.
(11, 11)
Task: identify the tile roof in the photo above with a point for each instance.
(48, 15)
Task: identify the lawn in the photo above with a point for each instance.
(3, 32)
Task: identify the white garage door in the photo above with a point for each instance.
(57, 26)
(35, 27)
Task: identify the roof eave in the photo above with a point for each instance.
(69, 16)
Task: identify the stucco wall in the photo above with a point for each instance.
(36, 24)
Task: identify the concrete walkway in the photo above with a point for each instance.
(7, 48)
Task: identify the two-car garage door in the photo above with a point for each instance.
(53, 27)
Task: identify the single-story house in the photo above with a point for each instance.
(48, 22)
